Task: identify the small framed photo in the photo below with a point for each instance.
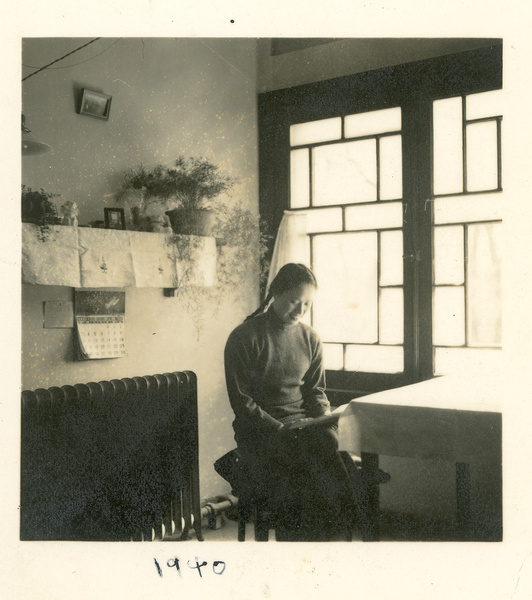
(95, 104)
(114, 218)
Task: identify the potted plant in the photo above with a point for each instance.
(186, 191)
(243, 242)
(37, 208)
(189, 194)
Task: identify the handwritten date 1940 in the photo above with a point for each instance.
(218, 566)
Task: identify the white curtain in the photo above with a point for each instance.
(291, 243)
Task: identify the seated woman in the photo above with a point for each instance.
(276, 378)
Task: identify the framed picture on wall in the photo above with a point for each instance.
(95, 104)
(114, 218)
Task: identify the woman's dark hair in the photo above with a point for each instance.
(290, 276)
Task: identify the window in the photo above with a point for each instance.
(352, 165)
(399, 174)
(468, 201)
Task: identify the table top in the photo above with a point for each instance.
(478, 393)
(447, 417)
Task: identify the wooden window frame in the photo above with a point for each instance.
(412, 86)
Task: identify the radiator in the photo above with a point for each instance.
(111, 461)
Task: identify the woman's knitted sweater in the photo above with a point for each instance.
(274, 374)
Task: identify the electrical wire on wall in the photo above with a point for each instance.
(39, 69)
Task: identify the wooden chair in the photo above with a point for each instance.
(252, 504)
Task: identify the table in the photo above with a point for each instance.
(449, 418)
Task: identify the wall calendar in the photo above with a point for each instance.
(99, 316)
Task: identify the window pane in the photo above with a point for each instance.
(391, 258)
(345, 308)
(448, 170)
(461, 209)
(324, 219)
(299, 178)
(391, 316)
(391, 168)
(374, 359)
(482, 153)
(464, 360)
(345, 173)
(485, 104)
(448, 317)
(373, 122)
(484, 302)
(449, 255)
(375, 216)
(316, 131)
(333, 356)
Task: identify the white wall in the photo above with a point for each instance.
(170, 96)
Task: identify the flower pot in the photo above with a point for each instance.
(198, 221)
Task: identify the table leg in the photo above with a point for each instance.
(463, 500)
(370, 505)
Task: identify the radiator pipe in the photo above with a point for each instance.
(210, 510)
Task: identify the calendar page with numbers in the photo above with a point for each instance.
(100, 324)
(101, 337)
